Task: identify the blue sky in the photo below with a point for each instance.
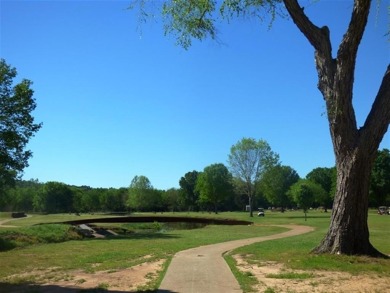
(116, 102)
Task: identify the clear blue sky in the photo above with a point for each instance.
(116, 102)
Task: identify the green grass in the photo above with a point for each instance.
(50, 218)
(379, 231)
(4, 215)
(247, 282)
(294, 252)
(47, 233)
(128, 250)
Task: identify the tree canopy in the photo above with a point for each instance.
(17, 124)
(275, 184)
(248, 160)
(187, 187)
(214, 184)
(304, 192)
(326, 178)
(142, 195)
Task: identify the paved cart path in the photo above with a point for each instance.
(2, 222)
(203, 269)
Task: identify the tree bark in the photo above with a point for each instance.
(354, 148)
(348, 232)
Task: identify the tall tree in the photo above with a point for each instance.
(111, 199)
(304, 192)
(354, 147)
(214, 184)
(187, 187)
(55, 197)
(275, 184)
(21, 196)
(16, 124)
(326, 177)
(248, 159)
(142, 195)
(171, 199)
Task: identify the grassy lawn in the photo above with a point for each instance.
(294, 252)
(110, 253)
(45, 219)
(128, 250)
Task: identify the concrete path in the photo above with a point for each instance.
(203, 269)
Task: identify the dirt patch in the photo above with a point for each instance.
(124, 280)
(269, 275)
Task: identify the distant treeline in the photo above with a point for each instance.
(57, 197)
(279, 187)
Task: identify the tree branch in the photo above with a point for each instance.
(318, 37)
(378, 119)
(351, 40)
(346, 58)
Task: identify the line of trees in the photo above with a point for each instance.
(57, 197)
(216, 188)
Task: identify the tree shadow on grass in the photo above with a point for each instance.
(6, 244)
(35, 288)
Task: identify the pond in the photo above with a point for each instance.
(156, 227)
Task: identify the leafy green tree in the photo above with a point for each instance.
(6, 199)
(54, 197)
(78, 193)
(16, 124)
(172, 200)
(380, 179)
(92, 200)
(110, 199)
(354, 147)
(187, 188)
(248, 160)
(276, 182)
(156, 203)
(326, 177)
(304, 192)
(214, 184)
(122, 195)
(21, 196)
(142, 195)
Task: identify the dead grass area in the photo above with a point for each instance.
(270, 279)
(124, 280)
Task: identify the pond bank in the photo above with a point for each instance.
(162, 219)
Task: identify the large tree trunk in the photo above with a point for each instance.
(355, 148)
(348, 232)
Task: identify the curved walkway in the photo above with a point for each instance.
(2, 222)
(203, 269)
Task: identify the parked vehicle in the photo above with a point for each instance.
(261, 212)
(383, 210)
